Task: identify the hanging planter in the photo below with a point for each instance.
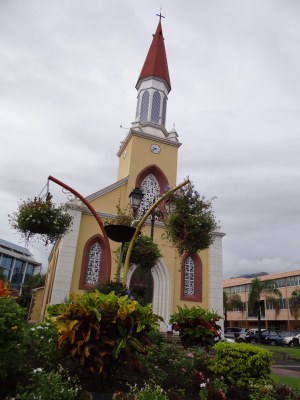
(42, 217)
(145, 252)
(191, 224)
(119, 233)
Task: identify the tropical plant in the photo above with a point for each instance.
(191, 224)
(231, 301)
(42, 217)
(294, 303)
(100, 331)
(5, 290)
(260, 291)
(196, 326)
(145, 252)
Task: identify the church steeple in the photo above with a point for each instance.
(153, 87)
(156, 64)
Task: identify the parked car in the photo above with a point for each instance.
(292, 340)
(234, 333)
(251, 336)
(274, 337)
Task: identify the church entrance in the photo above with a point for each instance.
(139, 284)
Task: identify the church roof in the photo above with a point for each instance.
(156, 63)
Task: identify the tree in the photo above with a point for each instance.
(231, 302)
(263, 290)
(33, 282)
(294, 303)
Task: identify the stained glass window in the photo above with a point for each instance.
(189, 277)
(151, 190)
(94, 264)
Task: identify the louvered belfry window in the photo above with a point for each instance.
(94, 263)
(144, 106)
(151, 190)
(164, 112)
(189, 277)
(155, 107)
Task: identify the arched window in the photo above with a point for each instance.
(191, 278)
(164, 111)
(95, 268)
(144, 106)
(151, 190)
(155, 107)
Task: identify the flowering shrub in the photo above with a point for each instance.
(191, 225)
(40, 217)
(213, 390)
(196, 325)
(51, 385)
(273, 391)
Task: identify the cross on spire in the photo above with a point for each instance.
(160, 15)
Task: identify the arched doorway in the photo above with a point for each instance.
(139, 283)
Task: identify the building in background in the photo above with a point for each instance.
(286, 282)
(17, 264)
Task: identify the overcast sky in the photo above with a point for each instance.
(68, 70)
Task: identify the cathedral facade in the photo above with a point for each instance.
(84, 259)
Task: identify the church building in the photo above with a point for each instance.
(84, 258)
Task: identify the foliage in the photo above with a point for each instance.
(41, 217)
(294, 303)
(12, 318)
(5, 290)
(123, 216)
(150, 391)
(145, 252)
(32, 282)
(196, 326)
(230, 303)
(102, 330)
(241, 365)
(273, 391)
(215, 390)
(51, 385)
(119, 289)
(191, 225)
(165, 363)
(265, 289)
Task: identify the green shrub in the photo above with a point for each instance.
(241, 365)
(12, 318)
(150, 391)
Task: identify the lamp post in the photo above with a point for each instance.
(136, 197)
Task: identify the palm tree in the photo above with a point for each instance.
(294, 303)
(231, 302)
(263, 290)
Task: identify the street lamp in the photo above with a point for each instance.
(136, 197)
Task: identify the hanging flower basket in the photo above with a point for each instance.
(41, 217)
(119, 233)
(191, 224)
(145, 252)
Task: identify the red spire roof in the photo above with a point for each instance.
(156, 63)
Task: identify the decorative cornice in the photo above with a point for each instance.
(107, 189)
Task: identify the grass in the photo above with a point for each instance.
(281, 352)
(286, 380)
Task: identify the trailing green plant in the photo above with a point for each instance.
(241, 365)
(51, 385)
(100, 331)
(191, 225)
(145, 252)
(41, 217)
(196, 326)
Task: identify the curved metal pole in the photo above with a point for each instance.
(141, 223)
(92, 210)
